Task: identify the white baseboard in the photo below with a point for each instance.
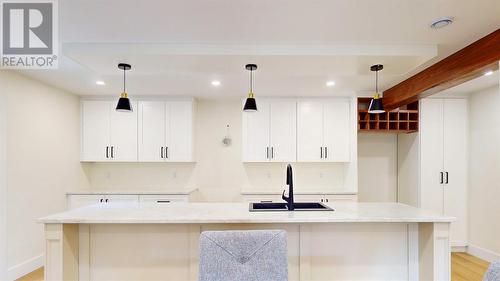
(459, 249)
(483, 253)
(19, 270)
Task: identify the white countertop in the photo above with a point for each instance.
(184, 191)
(203, 213)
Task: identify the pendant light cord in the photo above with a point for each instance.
(251, 81)
(376, 82)
(124, 77)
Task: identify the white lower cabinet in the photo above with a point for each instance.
(163, 198)
(81, 200)
(301, 198)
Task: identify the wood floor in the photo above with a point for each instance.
(464, 267)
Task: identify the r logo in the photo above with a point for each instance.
(27, 28)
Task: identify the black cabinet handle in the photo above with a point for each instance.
(100, 200)
(326, 152)
(267, 152)
(266, 201)
(321, 199)
(326, 199)
(161, 152)
(272, 152)
(162, 201)
(106, 200)
(321, 152)
(166, 152)
(107, 153)
(112, 154)
(441, 177)
(446, 178)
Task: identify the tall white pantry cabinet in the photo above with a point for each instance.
(433, 163)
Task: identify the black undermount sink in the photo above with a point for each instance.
(278, 206)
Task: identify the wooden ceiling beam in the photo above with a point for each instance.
(464, 65)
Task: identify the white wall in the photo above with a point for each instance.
(42, 163)
(409, 169)
(377, 167)
(3, 186)
(484, 174)
(219, 173)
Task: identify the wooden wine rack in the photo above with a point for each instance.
(401, 120)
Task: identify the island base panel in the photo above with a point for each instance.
(330, 251)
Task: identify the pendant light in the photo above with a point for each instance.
(250, 104)
(124, 102)
(376, 105)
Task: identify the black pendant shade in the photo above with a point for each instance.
(376, 104)
(250, 103)
(123, 104)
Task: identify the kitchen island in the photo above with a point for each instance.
(151, 241)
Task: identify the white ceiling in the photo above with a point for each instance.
(178, 47)
(472, 86)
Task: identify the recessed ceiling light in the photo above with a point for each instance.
(100, 83)
(216, 83)
(441, 22)
(330, 83)
(488, 73)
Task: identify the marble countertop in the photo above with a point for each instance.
(205, 213)
(184, 191)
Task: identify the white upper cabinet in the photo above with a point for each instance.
(269, 134)
(95, 130)
(323, 130)
(123, 134)
(166, 131)
(283, 131)
(107, 135)
(156, 131)
(310, 131)
(152, 131)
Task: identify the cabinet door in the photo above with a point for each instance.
(179, 131)
(152, 126)
(310, 131)
(161, 199)
(309, 198)
(455, 165)
(337, 125)
(78, 201)
(95, 124)
(283, 130)
(431, 162)
(255, 133)
(123, 134)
